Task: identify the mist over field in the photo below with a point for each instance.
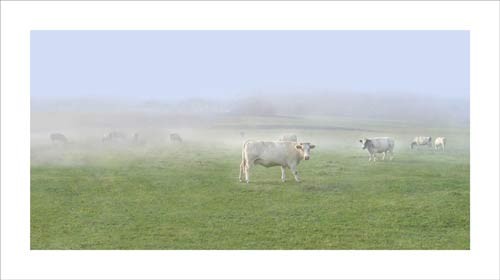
(222, 119)
(211, 85)
(151, 126)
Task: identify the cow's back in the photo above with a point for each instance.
(382, 144)
(422, 140)
(58, 137)
(269, 153)
(175, 137)
(440, 141)
(264, 148)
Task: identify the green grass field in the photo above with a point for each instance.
(188, 196)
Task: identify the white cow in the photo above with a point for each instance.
(174, 137)
(377, 145)
(273, 153)
(113, 136)
(421, 141)
(58, 137)
(137, 139)
(440, 142)
(290, 137)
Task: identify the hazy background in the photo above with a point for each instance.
(86, 83)
(217, 89)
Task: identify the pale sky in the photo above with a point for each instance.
(170, 64)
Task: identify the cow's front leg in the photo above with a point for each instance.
(384, 154)
(283, 169)
(295, 173)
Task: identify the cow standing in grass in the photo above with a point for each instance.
(440, 142)
(58, 138)
(421, 141)
(378, 145)
(136, 139)
(175, 138)
(273, 153)
(113, 137)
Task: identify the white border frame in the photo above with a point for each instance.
(18, 18)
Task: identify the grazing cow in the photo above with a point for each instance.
(113, 136)
(174, 137)
(421, 141)
(273, 153)
(106, 138)
(58, 137)
(136, 138)
(376, 145)
(440, 142)
(290, 137)
(242, 134)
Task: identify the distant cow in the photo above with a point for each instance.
(273, 153)
(440, 142)
(136, 138)
(174, 137)
(377, 145)
(290, 137)
(242, 134)
(421, 141)
(113, 136)
(58, 137)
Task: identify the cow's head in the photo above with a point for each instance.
(413, 144)
(306, 149)
(365, 143)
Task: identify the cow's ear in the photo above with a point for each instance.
(299, 147)
(312, 146)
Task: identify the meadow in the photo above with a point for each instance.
(161, 195)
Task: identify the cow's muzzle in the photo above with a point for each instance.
(306, 157)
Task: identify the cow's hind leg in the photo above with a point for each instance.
(247, 172)
(283, 169)
(242, 170)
